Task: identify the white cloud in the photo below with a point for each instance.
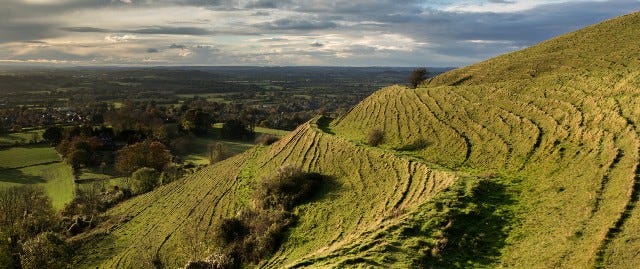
(120, 38)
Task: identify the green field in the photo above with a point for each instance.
(39, 165)
(198, 150)
(528, 160)
(22, 138)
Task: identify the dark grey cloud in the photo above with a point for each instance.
(151, 30)
(265, 4)
(19, 32)
(296, 24)
(260, 13)
(35, 42)
(83, 29)
(152, 50)
(177, 46)
(509, 31)
(317, 44)
(168, 30)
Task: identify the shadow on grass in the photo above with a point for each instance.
(323, 124)
(415, 145)
(19, 177)
(477, 226)
(327, 189)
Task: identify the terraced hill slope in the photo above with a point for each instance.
(529, 160)
(560, 119)
(366, 190)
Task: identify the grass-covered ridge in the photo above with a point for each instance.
(374, 185)
(528, 160)
(560, 118)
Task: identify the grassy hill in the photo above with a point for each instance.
(528, 160)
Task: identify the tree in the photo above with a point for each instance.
(47, 250)
(150, 154)
(25, 211)
(236, 129)
(80, 151)
(78, 158)
(53, 135)
(196, 121)
(417, 76)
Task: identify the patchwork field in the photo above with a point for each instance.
(198, 147)
(38, 165)
(528, 160)
(21, 138)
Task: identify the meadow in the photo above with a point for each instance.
(38, 165)
(21, 138)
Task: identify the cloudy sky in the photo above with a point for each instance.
(286, 32)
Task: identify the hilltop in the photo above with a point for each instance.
(530, 159)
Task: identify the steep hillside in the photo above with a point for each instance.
(529, 160)
(367, 189)
(558, 120)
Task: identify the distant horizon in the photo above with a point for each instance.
(285, 33)
(18, 66)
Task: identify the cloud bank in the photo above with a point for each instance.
(286, 32)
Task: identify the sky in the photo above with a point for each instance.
(285, 33)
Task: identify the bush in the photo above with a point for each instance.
(92, 199)
(254, 234)
(267, 139)
(286, 188)
(214, 261)
(375, 137)
(7, 260)
(218, 152)
(47, 250)
(144, 180)
(231, 230)
(171, 173)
